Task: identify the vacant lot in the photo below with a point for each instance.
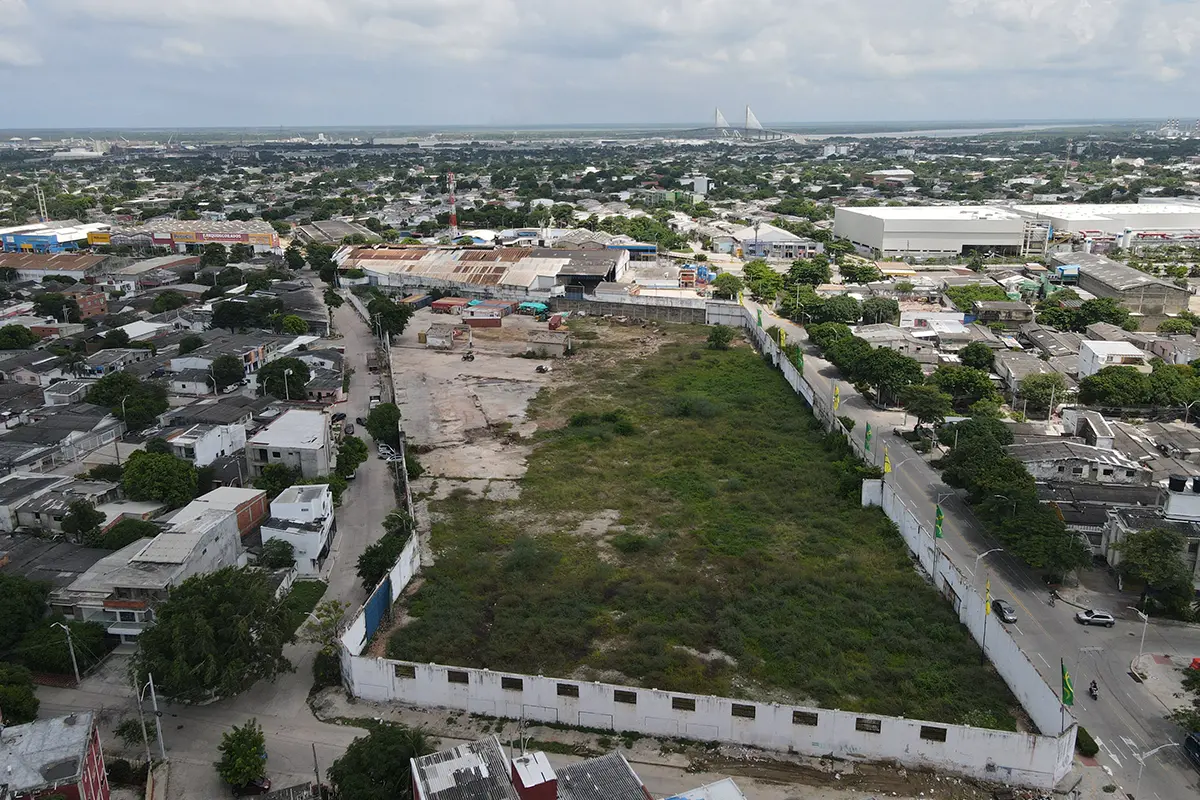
(684, 524)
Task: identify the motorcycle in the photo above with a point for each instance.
(1053, 597)
(468, 356)
(1094, 691)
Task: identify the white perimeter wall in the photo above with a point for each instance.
(1013, 758)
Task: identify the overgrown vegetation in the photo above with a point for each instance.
(738, 542)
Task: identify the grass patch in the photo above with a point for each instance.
(302, 599)
(742, 534)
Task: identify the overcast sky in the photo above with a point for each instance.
(74, 63)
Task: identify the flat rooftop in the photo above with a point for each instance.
(45, 752)
(295, 428)
(934, 212)
(1098, 210)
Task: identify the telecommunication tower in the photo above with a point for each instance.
(453, 207)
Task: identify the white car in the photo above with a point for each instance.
(1093, 617)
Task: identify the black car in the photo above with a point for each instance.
(258, 786)
(1004, 610)
(339, 416)
(360, 420)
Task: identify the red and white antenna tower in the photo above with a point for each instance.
(453, 207)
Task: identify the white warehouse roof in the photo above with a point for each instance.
(1114, 218)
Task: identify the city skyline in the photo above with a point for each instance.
(506, 63)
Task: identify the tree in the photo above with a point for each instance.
(45, 649)
(143, 400)
(977, 355)
(215, 636)
(727, 286)
(1040, 389)
(284, 378)
(18, 703)
(125, 533)
(61, 307)
(294, 325)
(116, 338)
(22, 604)
(764, 283)
(213, 255)
(351, 454)
(859, 272)
(378, 766)
(1166, 327)
(1115, 386)
(880, 309)
(240, 253)
(843, 308)
(275, 478)
(243, 752)
(928, 404)
(17, 337)
(159, 477)
(1156, 558)
(293, 257)
(888, 371)
(167, 301)
(332, 298)
(157, 444)
(324, 628)
(826, 333)
(964, 384)
(379, 558)
(82, 520)
(277, 554)
(189, 344)
(227, 370)
(719, 337)
(811, 273)
(392, 317)
(383, 423)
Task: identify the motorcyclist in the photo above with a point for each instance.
(1094, 690)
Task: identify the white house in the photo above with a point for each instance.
(1096, 355)
(299, 439)
(302, 516)
(204, 444)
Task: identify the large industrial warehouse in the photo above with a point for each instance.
(1114, 219)
(933, 231)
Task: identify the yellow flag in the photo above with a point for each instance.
(887, 461)
(837, 396)
(782, 338)
(987, 598)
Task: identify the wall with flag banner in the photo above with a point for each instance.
(1039, 699)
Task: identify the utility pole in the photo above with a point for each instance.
(71, 647)
(162, 751)
(317, 770)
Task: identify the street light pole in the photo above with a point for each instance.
(71, 647)
(979, 558)
(1142, 765)
(117, 441)
(1145, 623)
(1009, 500)
(287, 393)
(141, 695)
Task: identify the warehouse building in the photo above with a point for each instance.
(184, 236)
(1140, 293)
(1115, 219)
(48, 237)
(932, 231)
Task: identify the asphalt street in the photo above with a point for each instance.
(1126, 720)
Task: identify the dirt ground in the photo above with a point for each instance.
(671, 766)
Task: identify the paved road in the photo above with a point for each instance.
(1127, 719)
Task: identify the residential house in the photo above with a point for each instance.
(45, 512)
(116, 359)
(249, 506)
(893, 338)
(226, 410)
(17, 488)
(57, 436)
(1085, 508)
(68, 392)
(549, 344)
(1013, 366)
(1180, 348)
(1074, 462)
(191, 382)
(55, 757)
(325, 386)
(120, 591)
(1009, 313)
(1096, 355)
(42, 372)
(298, 438)
(1180, 513)
(1050, 342)
(303, 517)
(204, 444)
(92, 301)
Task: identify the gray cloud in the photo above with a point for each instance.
(512, 62)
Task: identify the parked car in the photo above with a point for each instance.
(1004, 610)
(360, 421)
(1093, 617)
(339, 416)
(349, 429)
(258, 786)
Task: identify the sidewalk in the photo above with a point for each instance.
(1162, 677)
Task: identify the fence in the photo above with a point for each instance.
(1015, 758)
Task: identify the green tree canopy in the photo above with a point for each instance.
(727, 286)
(826, 333)
(293, 256)
(144, 400)
(1115, 386)
(215, 636)
(811, 273)
(214, 255)
(61, 307)
(352, 452)
(1040, 389)
(227, 370)
(977, 355)
(18, 702)
(284, 378)
(859, 271)
(1166, 327)
(277, 554)
(44, 648)
(927, 403)
(190, 344)
(843, 308)
(880, 309)
(243, 752)
(82, 521)
(377, 766)
(383, 423)
(167, 301)
(22, 605)
(125, 533)
(275, 478)
(17, 337)
(392, 317)
(159, 477)
(1156, 558)
(294, 325)
(964, 384)
(720, 336)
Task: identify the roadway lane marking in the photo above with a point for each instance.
(1044, 661)
(1018, 629)
(1108, 752)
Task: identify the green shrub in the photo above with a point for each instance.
(1085, 744)
(327, 670)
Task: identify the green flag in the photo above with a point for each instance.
(760, 317)
(799, 360)
(937, 522)
(867, 438)
(1068, 689)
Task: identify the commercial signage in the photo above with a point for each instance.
(184, 237)
(220, 237)
(268, 239)
(95, 237)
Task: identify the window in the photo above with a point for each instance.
(1076, 470)
(1128, 473)
(568, 690)
(624, 696)
(933, 734)
(274, 454)
(683, 704)
(261, 455)
(514, 684)
(804, 718)
(1062, 469)
(744, 711)
(404, 670)
(1108, 472)
(868, 725)
(127, 616)
(457, 676)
